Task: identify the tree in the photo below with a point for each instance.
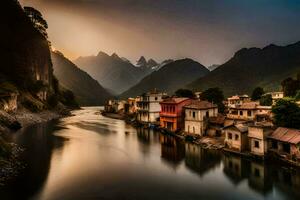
(257, 93)
(214, 95)
(266, 100)
(297, 96)
(286, 113)
(290, 87)
(37, 19)
(184, 93)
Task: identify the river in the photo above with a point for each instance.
(88, 156)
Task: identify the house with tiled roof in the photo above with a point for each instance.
(286, 143)
(197, 114)
(171, 115)
(250, 111)
(236, 137)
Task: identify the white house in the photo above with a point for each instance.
(148, 106)
(197, 114)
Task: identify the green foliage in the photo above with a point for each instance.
(5, 149)
(55, 85)
(266, 100)
(287, 113)
(37, 86)
(290, 87)
(30, 105)
(257, 93)
(68, 99)
(297, 96)
(185, 93)
(214, 95)
(37, 19)
(52, 100)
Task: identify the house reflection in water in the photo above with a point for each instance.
(235, 168)
(201, 160)
(259, 178)
(172, 149)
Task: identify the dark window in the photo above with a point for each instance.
(230, 136)
(236, 137)
(207, 114)
(241, 112)
(155, 98)
(286, 148)
(249, 113)
(256, 172)
(274, 144)
(194, 114)
(256, 144)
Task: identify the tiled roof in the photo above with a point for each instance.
(196, 104)
(241, 127)
(174, 100)
(286, 135)
(220, 119)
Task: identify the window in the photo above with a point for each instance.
(155, 98)
(274, 144)
(194, 130)
(286, 148)
(207, 114)
(230, 136)
(236, 137)
(194, 114)
(190, 113)
(241, 112)
(249, 113)
(256, 172)
(256, 144)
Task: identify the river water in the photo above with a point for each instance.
(88, 156)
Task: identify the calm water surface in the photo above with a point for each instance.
(88, 156)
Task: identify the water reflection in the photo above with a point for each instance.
(88, 156)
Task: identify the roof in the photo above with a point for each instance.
(240, 127)
(174, 100)
(196, 104)
(220, 119)
(286, 135)
(237, 97)
(247, 106)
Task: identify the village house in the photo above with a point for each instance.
(275, 96)
(237, 100)
(171, 115)
(216, 124)
(236, 137)
(197, 114)
(258, 139)
(250, 111)
(131, 105)
(285, 142)
(114, 106)
(148, 107)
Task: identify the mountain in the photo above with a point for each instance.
(212, 67)
(112, 72)
(169, 78)
(88, 91)
(253, 67)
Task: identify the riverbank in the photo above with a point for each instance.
(10, 123)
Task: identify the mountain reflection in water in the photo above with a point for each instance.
(88, 156)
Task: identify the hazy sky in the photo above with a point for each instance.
(209, 31)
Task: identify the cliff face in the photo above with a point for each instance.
(24, 52)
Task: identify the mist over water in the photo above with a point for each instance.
(88, 156)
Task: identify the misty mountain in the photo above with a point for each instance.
(88, 91)
(253, 67)
(112, 72)
(169, 78)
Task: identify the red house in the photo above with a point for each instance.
(171, 115)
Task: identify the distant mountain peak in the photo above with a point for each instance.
(101, 53)
(141, 62)
(151, 63)
(114, 55)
